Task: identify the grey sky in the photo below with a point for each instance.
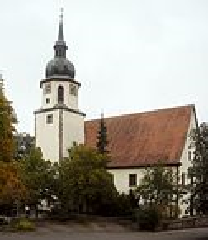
(130, 55)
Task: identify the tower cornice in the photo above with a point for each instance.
(59, 79)
(60, 106)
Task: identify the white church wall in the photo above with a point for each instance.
(45, 135)
(121, 178)
(73, 130)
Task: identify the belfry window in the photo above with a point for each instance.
(61, 94)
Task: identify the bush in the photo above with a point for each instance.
(119, 206)
(24, 224)
(148, 218)
(124, 206)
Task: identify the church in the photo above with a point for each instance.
(136, 141)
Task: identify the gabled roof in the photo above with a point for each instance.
(143, 139)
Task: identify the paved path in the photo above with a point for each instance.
(62, 232)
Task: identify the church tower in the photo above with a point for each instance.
(59, 123)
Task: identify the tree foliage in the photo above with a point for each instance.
(38, 176)
(7, 128)
(198, 172)
(102, 137)
(12, 188)
(85, 184)
(159, 187)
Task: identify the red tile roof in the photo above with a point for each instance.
(143, 139)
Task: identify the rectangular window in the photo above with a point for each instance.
(183, 179)
(49, 118)
(189, 155)
(47, 88)
(47, 100)
(132, 180)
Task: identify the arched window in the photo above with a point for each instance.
(60, 94)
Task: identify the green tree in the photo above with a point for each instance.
(7, 128)
(39, 177)
(198, 172)
(159, 188)
(102, 137)
(84, 183)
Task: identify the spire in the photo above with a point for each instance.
(61, 30)
(60, 46)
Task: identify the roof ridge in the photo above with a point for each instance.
(143, 112)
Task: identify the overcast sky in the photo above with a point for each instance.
(130, 55)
